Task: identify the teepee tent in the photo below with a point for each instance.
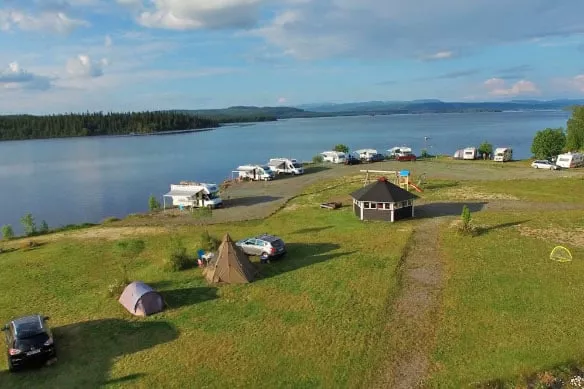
(231, 265)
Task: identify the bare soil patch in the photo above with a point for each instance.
(571, 236)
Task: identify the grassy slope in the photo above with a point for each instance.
(315, 319)
(509, 311)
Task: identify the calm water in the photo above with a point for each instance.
(85, 180)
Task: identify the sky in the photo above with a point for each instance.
(121, 55)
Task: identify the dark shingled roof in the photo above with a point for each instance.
(382, 191)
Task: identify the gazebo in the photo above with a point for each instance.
(383, 200)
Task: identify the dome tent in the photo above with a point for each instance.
(141, 300)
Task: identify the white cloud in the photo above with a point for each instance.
(282, 100)
(498, 87)
(414, 29)
(195, 14)
(45, 21)
(84, 67)
(440, 55)
(108, 42)
(14, 77)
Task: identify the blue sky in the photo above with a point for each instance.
(118, 55)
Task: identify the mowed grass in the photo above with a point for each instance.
(314, 319)
(509, 312)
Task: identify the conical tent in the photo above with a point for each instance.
(231, 265)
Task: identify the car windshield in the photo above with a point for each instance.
(31, 340)
(297, 165)
(213, 196)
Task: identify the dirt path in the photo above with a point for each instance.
(415, 311)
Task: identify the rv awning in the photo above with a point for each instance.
(184, 193)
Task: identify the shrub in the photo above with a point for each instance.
(486, 149)
(153, 204)
(110, 220)
(44, 228)
(129, 248)
(201, 213)
(28, 244)
(466, 225)
(7, 232)
(317, 159)
(178, 259)
(341, 148)
(425, 154)
(548, 143)
(28, 224)
(209, 242)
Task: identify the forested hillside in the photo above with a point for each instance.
(93, 124)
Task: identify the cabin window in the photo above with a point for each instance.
(387, 206)
(366, 205)
(380, 205)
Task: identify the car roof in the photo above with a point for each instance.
(28, 325)
(268, 238)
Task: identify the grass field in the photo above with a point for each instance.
(315, 319)
(509, 313)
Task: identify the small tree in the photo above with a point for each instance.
(128, 250)
(44, 228)
(317, 159)
(575, 131)
(178, 259)
(209, 242)
(153, 203)
(7, 232)
(548, 143)
(341, 148)
(486, 149)
(28, 224)
(465, 217)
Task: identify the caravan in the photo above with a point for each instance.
(366, 155)
(286, 166)
(254, 173)
(570, 160)
(333, 156)
(503, 154)
(470, 153)
(194, 195)
(395, 152)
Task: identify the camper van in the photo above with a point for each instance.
(503, 154)
(570, 160)
(333, 156)
(254, 172)
(469, 153)
(194, 195)
(286, 166)
(399, 151)
(366, 155)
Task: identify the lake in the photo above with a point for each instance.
(65, 181)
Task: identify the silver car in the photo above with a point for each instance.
(263, 245)
(543, 164)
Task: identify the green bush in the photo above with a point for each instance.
(209, 242)
(202, 213)
(7, 232)
(341, 148)
(317, 159)
(178, 258)
(44, 228)
(129, 248)
(466, 226)
(153, 204)
(28, 224)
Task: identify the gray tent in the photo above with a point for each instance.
(141, 300)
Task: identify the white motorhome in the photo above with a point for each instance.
(570, 160)
(254, 172)
(333, 156)
(366, 154)
(194, 195)
(470, 153)
(286, 166)
(503, 154)
(399, 151)
(458, 154)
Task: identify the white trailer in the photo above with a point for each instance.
(333, 156)
(399, 151)
(254, 172)
(366, 154)
(503, 154)
(470, 153)
(286, 166)
(570, 160)
(194, 195)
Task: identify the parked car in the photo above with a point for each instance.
(543, 164)
(28, 341)
(377, 158)
(405, 157)
(264, 246)
(351, 160)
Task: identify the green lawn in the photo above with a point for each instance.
(509, 312)
(315, 319)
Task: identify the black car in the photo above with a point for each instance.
(377, 158)
(29, 341)
(352, 160)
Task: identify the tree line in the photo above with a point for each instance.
(550, 142)
(17, 127)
